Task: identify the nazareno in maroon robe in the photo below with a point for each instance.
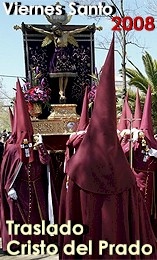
(31, 206)
(144, 165)
(28, 175)
(101, 190)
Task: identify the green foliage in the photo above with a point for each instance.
(137, 79)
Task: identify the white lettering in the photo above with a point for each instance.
(43, 227)
(73, 8)
(36, 250)
(109, 12)
(59, 10)
(13, 242)
(54, 249)
(38, 10)
(8, 7)
(23, 10)
(26, 229)
(17, 8)
(93, 9)
(111, 248)
(81, 229)
(147, 252)
(42, 246)
(37, 230)
(49, 10)
(52, 229)
(16, 229)
(65, 229)
(103, 244)
(10, 224)
(100, 9)
(82, 249)
(134, 249)
(123, 251)
(23, 248)
(69, 249)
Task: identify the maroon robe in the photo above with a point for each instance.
(145, 173)
(72, 145)
(118, 218)
(145, 170)
(31, 206)
(101, 189)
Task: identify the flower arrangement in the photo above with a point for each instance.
(37, 91)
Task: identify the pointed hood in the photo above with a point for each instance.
(84, 119)
(23, 125)
(76, 138)
(138, 112)
(99, 164)
(11, 119)
(146, 123)
(122, 124)
(126, 114)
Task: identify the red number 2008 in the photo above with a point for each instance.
(138, 23)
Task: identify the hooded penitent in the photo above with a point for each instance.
(24, 129)
(125, 124)
(76, 138)
(24, 171)
(101, 188)
(125, 116)
(138, 112)
(133, 124)
(73, 144)
(146, 122)
(122, 124)
(145, 161)
(11, 118)
(100, 155)
(84, 119)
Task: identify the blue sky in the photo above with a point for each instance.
(11, 43)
